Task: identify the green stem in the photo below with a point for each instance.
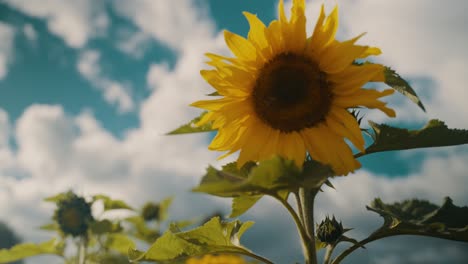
(82, 250)
(307, 197)
(299, 207)
(306, 246)
(328, 254)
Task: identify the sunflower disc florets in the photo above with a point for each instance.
(73, 214)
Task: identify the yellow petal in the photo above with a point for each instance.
(354, 77)
(324, 33)
(240, 47)
(297, 27)
(340, 55)
(367, 98)
(344, 124)
(257, 34)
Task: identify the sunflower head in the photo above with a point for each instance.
(215, 259)
(150, 211)
(288, 93)
(73, 214)
(329, 230)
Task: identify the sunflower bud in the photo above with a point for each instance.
(329, 231)
(73, 214)
(150, 211)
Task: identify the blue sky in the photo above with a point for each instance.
(88, 88)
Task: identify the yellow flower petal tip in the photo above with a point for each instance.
(285, 93)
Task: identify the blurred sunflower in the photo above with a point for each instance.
(288, 94)
(217, 259)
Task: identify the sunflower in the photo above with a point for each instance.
(216, 259)
(288, 94)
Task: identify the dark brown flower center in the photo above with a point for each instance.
(291, 93)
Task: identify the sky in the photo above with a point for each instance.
(89, 88)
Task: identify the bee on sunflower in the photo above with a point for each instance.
(285, 93)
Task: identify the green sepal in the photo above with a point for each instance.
(416, 217)
(395, 81)
(111, 204)
(57, 198)
(190, 127)
(214, 94)
(27, 250)
(434, 134)
(213, 237)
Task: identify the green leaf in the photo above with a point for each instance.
(190, 127)
(26, 250)
(269, 177)
(111, 204)
(50, 227)
(141, 229)
(213, 237)
(104, 226)
(275, 177)
(395, 81)
(434, 134)
(120, 243)
(416, 217)
(57, 198)
(241, 204)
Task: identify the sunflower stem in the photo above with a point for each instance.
(307, 197)
(82, 250)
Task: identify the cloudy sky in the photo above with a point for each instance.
(88, 89)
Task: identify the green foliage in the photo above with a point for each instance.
(190, 127)
(119, 242)
(111, 204)
(26, 250)
(434, 134)
(242, 204)
(105, 226)
(214, 236)
(395, 81)
(275, 177)
(268, 177)
(141, 230)
(416, 217)
(164, 208)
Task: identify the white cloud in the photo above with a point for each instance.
(77, 152)
(7, 35)
(74, 21)
(174, 23)
(134, 43)
(115, 93)
(30, 32)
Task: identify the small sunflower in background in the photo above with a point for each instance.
(289, 94)
(216, 259)
(150, 211)
(73, 214)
